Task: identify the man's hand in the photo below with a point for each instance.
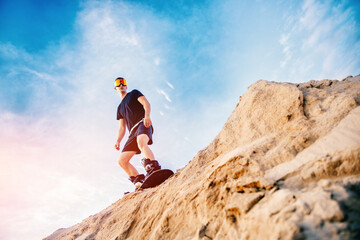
(147, 122)
(117, 146)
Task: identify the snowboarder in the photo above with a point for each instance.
(133, 113)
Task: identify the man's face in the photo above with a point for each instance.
(121, 89)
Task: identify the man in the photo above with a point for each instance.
(134, 114)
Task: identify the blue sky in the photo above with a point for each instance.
(191, 59)
(35, 24)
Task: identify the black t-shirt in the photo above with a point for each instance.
(131, 109)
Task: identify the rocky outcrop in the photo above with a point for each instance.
(286, 165)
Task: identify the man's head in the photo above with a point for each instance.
(120, 85)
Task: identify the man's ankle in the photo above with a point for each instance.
(150, 165)
(138, 178)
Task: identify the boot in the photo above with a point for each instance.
(137, 180)
(150, 165)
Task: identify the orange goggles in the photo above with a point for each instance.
(119, 82)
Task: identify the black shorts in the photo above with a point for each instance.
(131, 143)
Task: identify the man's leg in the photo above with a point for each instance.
(142, 141)
(124, 162)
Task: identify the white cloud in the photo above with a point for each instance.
(313, 14)
(162, 92)
(166, 106)
(9, 51)
(40, 75)
(284, 39)
(170, 85)
(321, 36)
(157, 61)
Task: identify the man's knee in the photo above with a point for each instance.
(123, 160)
(142, 141)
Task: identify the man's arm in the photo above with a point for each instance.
(147, 108)
(121, 133)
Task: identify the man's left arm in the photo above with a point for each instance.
(147, 108)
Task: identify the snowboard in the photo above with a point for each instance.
(156, 178)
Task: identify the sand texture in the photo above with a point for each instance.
(286, 165)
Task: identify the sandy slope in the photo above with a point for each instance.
(286, 165)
